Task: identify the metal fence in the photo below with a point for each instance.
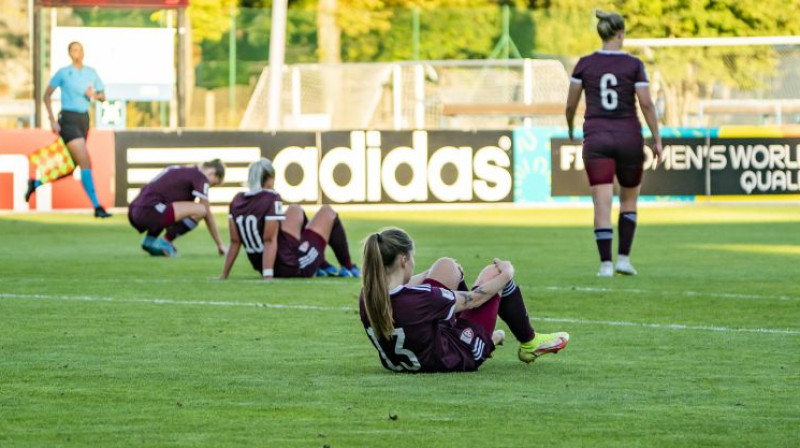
(415, 95)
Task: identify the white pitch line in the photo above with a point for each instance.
(677, 327)
(665, 326)
(345, 281)
(722, 295)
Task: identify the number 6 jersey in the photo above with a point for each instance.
(609, 79)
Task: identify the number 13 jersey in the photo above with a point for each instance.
(609, 79)
(428, 336)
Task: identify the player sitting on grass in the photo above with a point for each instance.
(431, 322)
(281, 242)
(168, 202)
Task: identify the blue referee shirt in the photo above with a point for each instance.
(74, 82)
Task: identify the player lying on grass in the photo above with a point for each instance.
(281, 242)
(431, 322)
(168, 202)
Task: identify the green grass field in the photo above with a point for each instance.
(102, 345)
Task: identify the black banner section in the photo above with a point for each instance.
(692, 166)
(355, 167)
(141, 155)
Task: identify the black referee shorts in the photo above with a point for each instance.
(73, 125)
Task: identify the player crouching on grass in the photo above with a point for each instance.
(431, 322)
(281, 242)
(168, 202)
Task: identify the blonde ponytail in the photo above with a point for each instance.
(259, 172)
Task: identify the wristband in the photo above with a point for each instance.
(266, 273)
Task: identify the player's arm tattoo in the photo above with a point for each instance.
(468, 299)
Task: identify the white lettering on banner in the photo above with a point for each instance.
(760, 157)
(416, 158)
(571, 154)
(489, 167)
(306, 158)
(717, 159)
(482, 173)
(460, 190)
(765, 181)
(354, 159)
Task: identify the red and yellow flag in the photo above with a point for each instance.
(53, 161)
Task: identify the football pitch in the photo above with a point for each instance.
(102, 345)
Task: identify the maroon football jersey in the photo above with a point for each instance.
(609, 79)
(173, 184)
(427, 337)
(249, 212)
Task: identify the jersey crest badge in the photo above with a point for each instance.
(467, 336)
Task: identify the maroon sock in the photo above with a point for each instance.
(513, 312)
(179, 228)
(338, 242)
(604, 236)
(626, 229)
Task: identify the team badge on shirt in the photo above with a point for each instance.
(467, 336)
(303, 247)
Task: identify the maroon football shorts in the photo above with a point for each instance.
(300, 258)
(482, 319)
(608, 153)
(149, 218)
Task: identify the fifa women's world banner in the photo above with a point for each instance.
(696, 166)
(341, 167)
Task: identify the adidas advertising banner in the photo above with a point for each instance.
(141, 155)
(696, 166)
(353, 167)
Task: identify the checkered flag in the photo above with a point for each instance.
(53, 161)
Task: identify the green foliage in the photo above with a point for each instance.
(103, 345)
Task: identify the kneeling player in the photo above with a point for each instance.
(280, 242)
(168, 202)
(430, 322)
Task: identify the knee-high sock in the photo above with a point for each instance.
(513, 312)
(604, 236)
(338, 242)
(626, 228)
(179, 228)
(88, 185)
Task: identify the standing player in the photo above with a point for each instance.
(79, 85)
(279, 242)
(168, 202)
(612, 135)
(430, 322)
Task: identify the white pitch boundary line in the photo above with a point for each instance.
(722, 295)
(677, 327)
(344, 281)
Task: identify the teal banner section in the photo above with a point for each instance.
(532, 163)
